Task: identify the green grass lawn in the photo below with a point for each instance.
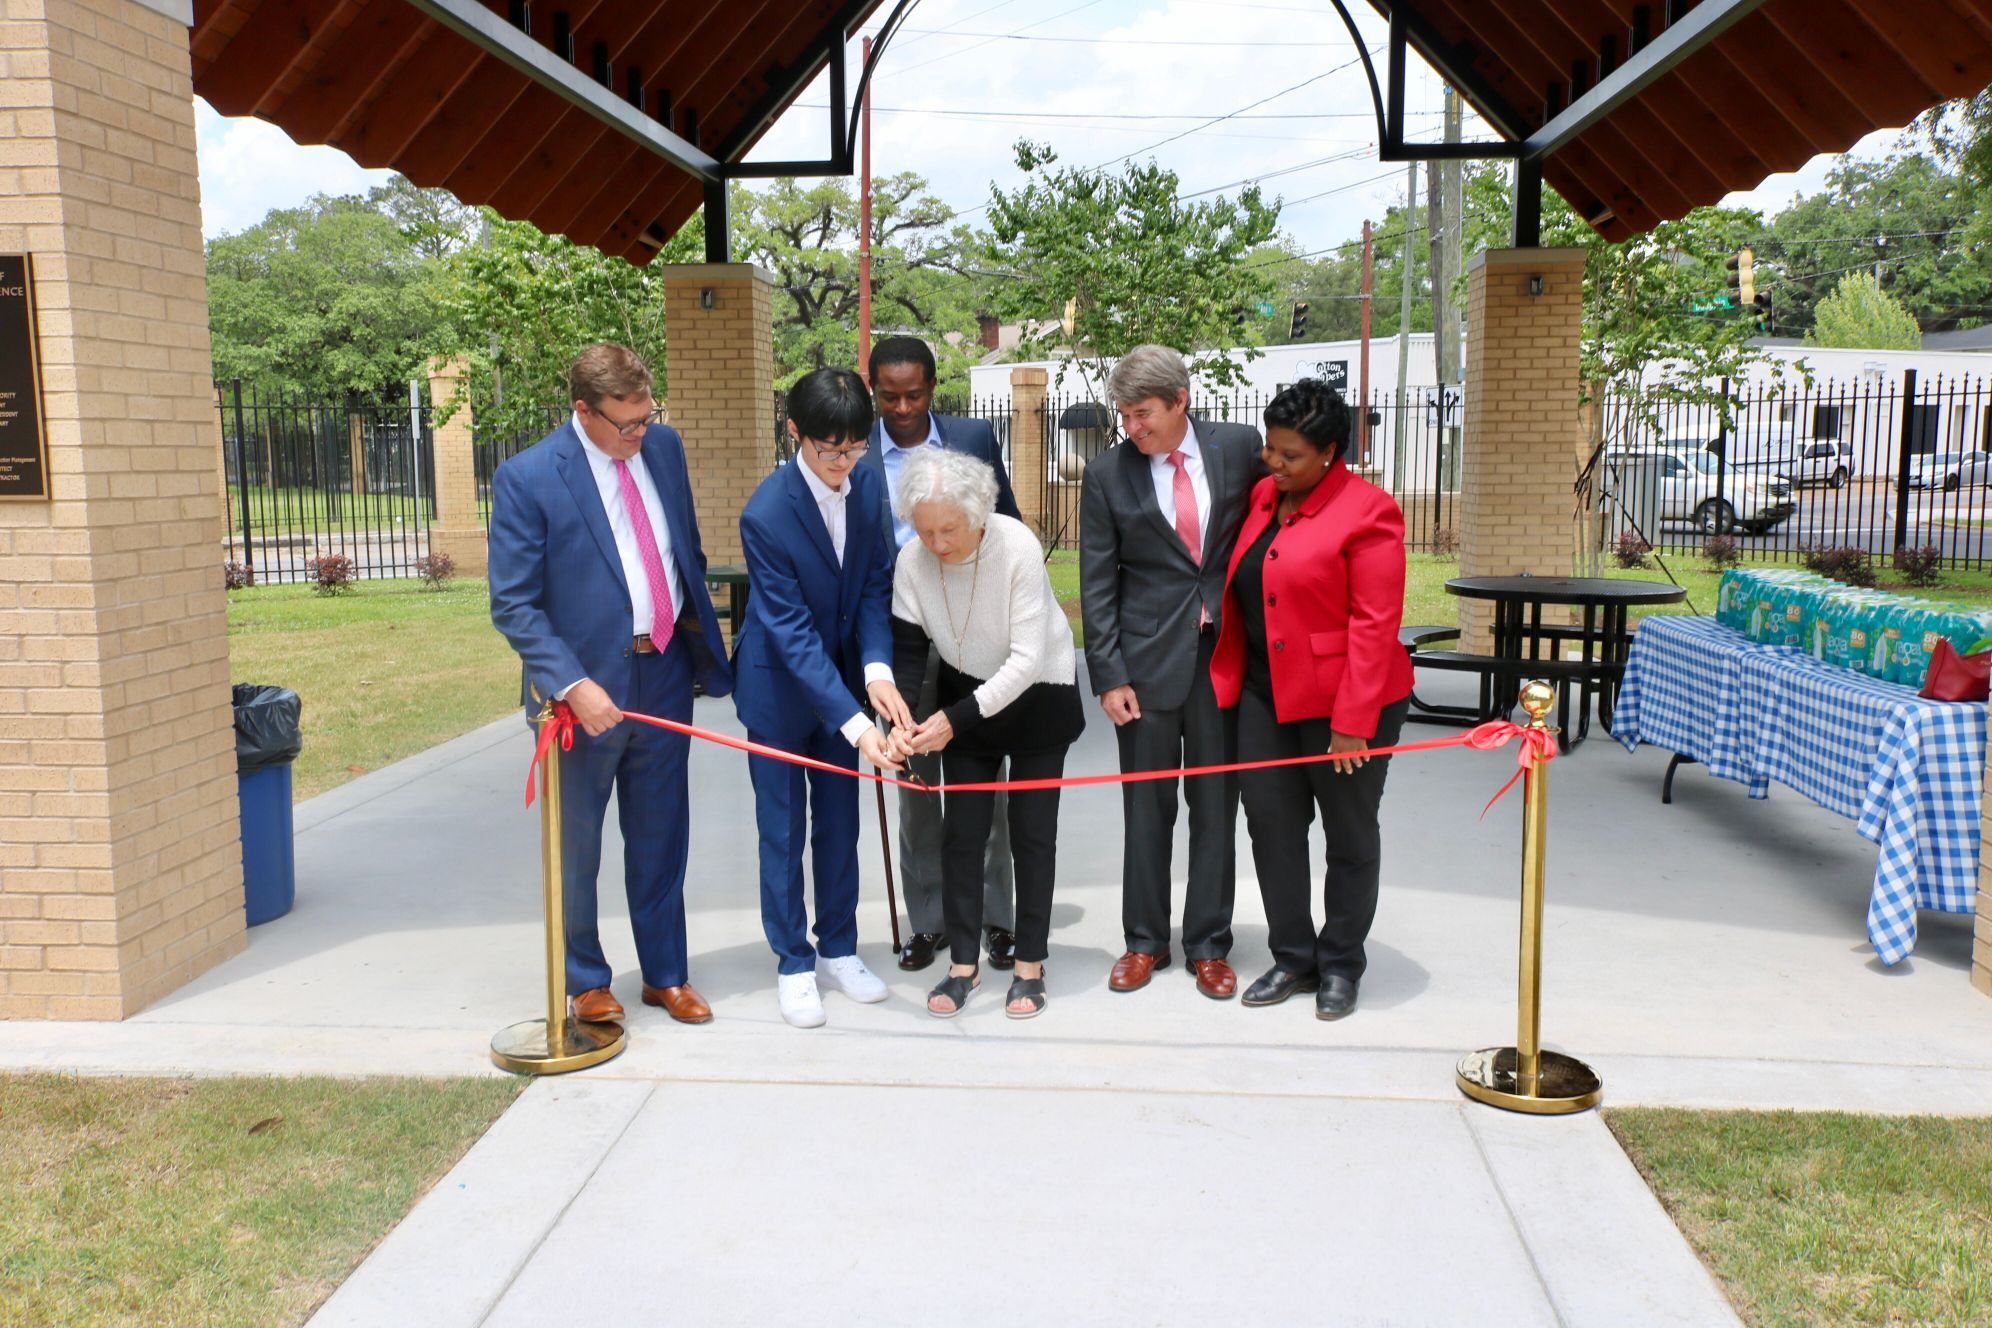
(385, 670)
(212, 1203)
(1817, 1220)
(290, 511)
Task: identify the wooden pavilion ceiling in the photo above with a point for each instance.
(1788, 80)
(392, 87)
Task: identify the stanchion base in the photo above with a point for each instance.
(523, 1048)
(1564, 1084)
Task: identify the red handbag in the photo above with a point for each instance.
(1955, 677)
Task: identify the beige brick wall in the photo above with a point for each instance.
(120, 866)
(1027, 444)
(1522, 424)
(456, 530)
(721, 384)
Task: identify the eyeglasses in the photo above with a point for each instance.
(634, 427)
(850, 452)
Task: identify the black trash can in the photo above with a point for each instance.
(267, 740)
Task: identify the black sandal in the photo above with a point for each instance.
(956, 989)
(1025, 989)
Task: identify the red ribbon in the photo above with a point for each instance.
(1537, 747)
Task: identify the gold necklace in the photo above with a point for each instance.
(974, 576)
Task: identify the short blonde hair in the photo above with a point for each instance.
(936, 475)
(607, 370)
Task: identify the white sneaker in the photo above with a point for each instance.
(801, 1006)
(850, 976)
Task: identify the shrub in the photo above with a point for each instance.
(435, 568)
(1846, 563)
(1629, 550)
(1921, 566)
(1722, 551)
(238, 576)
(331, 573)
(1445, 542)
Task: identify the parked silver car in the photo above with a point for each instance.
(1950, 471)
(1692, 487)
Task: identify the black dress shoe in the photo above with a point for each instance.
(1336, 999)
(1002, 948)
(1277, 985)
(919, 951)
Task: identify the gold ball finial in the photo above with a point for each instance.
(1538, 698)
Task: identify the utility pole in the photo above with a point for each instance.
(865, 229)
(1445, 229)
(1404, 251)
(1362, 378)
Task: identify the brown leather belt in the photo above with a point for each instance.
(643, 645)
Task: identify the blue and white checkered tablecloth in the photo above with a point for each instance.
(1908, 772)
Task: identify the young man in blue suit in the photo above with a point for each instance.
(815, 647)
(902, 379)
(598, 581)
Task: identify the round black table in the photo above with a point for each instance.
(1520, 635)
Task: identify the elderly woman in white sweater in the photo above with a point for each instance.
(974, 585)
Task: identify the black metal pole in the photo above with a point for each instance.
(242, 481)
(1906, 437)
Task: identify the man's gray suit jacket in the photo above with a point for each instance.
(1138, 587)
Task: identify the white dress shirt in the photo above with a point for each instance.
(1164, 472)
(603, 467)
(831, 503)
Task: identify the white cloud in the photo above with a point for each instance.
(250, 166)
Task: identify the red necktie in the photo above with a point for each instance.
(663, 617)
(1186, 507)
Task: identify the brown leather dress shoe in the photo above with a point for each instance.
(1133, 970)
(681, 1003)
(597, 1006)
(1215, 979)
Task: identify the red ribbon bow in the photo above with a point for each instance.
(1538, 748)
(560, 722)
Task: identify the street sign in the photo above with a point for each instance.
(1265, 308)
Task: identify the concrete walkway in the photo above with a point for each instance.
(1150, 1158)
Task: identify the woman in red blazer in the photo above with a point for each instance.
(1310, 657)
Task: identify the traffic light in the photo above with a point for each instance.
(1761, 308)
(1742, 267)
(1299, 328)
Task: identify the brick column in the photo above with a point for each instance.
(456, 531)
(120, 858)
(722, 389)
(1522, 423)
(1028, 444)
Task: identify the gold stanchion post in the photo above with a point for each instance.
(558, 1043)
(1524, 1077)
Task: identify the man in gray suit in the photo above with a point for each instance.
(902, 379)
(1158, 515)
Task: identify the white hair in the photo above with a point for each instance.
(937, 475)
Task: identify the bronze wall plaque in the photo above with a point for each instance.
(23, 434)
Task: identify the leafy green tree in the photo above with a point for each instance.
(431, 220)
(1861, 315)
(323, 299)
(1138, 262)
(806, 233)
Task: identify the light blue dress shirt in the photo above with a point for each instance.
(892, 456)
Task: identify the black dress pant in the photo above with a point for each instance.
(965, 824)
(1195, 733)
(1279, 808)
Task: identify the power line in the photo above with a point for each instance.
(1063, 13)
(1109, 115)
(1222, 118)
(1123, 41)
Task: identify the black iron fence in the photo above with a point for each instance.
(1878, 464)
(310, 478)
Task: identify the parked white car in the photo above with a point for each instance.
(1950, 471)
(1825, 461)
(1688, 490)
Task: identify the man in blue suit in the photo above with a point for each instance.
(902, 377)
(598, 581)
(815, 646)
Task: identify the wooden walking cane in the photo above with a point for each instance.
(885, 847)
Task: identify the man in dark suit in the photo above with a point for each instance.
(598, 581)
(902, 379)
(1158, 515)
(815, 648)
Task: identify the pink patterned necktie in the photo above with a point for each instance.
(664, 617)
(1186, 507)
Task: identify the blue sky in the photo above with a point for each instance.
(1097, 79)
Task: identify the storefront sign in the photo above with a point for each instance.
(23, 438)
